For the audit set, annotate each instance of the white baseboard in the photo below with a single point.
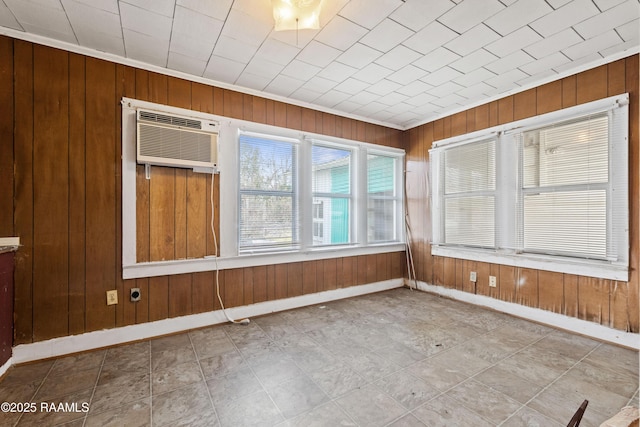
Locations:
(4, 368)
(57, 347)
(571, 324)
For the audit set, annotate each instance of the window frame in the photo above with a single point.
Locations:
(508, 250)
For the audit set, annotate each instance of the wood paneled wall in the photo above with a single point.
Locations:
(607, 302)
(60, 168)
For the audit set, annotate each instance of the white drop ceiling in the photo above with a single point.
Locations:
(392, 62)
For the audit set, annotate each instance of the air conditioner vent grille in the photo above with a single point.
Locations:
(168, 143)
(149, 116)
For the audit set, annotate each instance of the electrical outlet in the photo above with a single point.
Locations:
(473, 276)
(112, 297)
(492, 281)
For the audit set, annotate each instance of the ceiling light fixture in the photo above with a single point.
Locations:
(296, 14)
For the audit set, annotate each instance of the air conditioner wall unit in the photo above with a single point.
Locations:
(175, 141)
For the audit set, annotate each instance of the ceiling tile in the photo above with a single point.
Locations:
(352, 86)
(284, 85)
(46, 18)
(146, 22)
(570, 14)
(145, 48)
(369, 13)
(273, 50)
(331, 98)
(628, 47)
(441, 76)
(359, 55)
(218, 9)
(197, 48)
(340, 33)
(473, 61)
(319, 84)
(468, 14)
(545, 63)
(607, 4)
(449, 100)
(475, 91)
(252, 81)
(552, 44)
(370, 109)
(383, 87)
(474, 77)
(7, 19)
(445, 89)
(517, 40)
(223, 69)
(234, 49)
(585, 60)
(506, 80)
(263, 68)
(430, 37)
(398, 57)
(436, 59)
(407, 74)
(419, 99)
(186, 64)
(245, 28)
(300, 70)
(364, 97)
(593, 45)
(161, 7)
(372, 73)
(305, 95)
(348, 106)
(196, 25)
(337, 72)
(544, 75)
(509, 62)
(629, 31)
(612, 18)
(414, 87)
(557, 4)
(318, 54)
(107, 5)
(472, 40)
(392, 98)
(416, 14)
(517, 15)
(95, 28)
(386, 35)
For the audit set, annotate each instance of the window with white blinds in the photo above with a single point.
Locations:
(548, 192)
(269, 214)
(565, 180)
(469, 184)
(383, 198)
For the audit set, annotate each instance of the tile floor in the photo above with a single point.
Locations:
(396, 358)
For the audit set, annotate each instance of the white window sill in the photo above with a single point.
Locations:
(590, 268)
(163, 268)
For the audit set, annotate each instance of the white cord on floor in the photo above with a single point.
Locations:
(215, 244)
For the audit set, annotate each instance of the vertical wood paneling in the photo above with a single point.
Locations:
(594, 299)
(551, 291)
(482, 284)
(438, 270)
(198, 229)
(247, 107)
(6, 136)
(202, 97)
(142, 306)
(450, 272)
(247, 286)
(162, 214)
(203, 292)
(51, 193)
(77, 195)
(294, 279)
(570, 302)
(308, 277)
(259, 283)
(294, 117)
(569, 91)
(349, 271)
(180, 295)
(330, 274)
(507, 283)
(459, 123)
(505, 110)
(549, 97)
(143, 220)
(524, 104)
(591, 85)
(158, 298)
(23, 188)
(233, 104)
(527, 286)
(180, 218)
(233, 287)
(616, 75)
(281, 281)
(101, 206)
(259, 110)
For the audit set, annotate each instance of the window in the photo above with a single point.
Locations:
(331, 186)
(384, 200)
(269, 216)
(549, 192)
(304, 194)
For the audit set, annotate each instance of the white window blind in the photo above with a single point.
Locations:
(468, 190)
(383, 198)
(268, 193)
(565, 180)
(332, 195)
